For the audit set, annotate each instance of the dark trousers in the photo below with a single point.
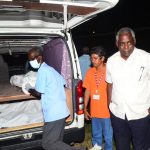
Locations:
(53, 133)
(134, 130)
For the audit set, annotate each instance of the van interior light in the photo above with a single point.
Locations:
(7, 0)
(11, 6)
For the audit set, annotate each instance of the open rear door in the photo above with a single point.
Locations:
(56, 14)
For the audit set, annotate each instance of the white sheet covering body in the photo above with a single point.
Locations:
(20, 113)
(25, 81)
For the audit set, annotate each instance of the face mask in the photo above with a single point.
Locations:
(34, 64)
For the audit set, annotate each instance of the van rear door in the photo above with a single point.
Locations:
(56, 14)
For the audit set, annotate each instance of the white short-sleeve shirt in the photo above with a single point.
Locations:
(130, 81)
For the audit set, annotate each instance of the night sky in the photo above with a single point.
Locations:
(101, 29)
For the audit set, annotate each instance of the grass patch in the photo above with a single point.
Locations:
(88, 138)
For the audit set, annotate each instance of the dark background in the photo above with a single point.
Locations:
(101, 29)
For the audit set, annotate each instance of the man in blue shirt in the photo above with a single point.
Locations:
(50, 87)
(84, 61)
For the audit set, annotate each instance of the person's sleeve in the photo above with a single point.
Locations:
(41, 80)
(87, 79)
(108, 72)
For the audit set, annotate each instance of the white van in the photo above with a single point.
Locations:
(43, 23)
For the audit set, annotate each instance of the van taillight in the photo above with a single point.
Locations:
(79, 98)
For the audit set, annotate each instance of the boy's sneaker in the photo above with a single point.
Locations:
(96, 147)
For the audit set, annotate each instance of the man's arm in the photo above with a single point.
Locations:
(109, 93)
(86, 101)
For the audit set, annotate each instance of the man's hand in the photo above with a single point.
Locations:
(34, 93)
(87, 115)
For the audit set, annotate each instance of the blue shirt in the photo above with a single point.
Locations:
(51, 84)
(85, 63)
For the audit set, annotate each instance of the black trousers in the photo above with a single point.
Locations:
(126, 131)
(53, 133)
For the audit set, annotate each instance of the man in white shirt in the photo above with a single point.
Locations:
(128, 78)
(85, 61)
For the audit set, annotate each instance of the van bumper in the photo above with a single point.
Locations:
(74, 135)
